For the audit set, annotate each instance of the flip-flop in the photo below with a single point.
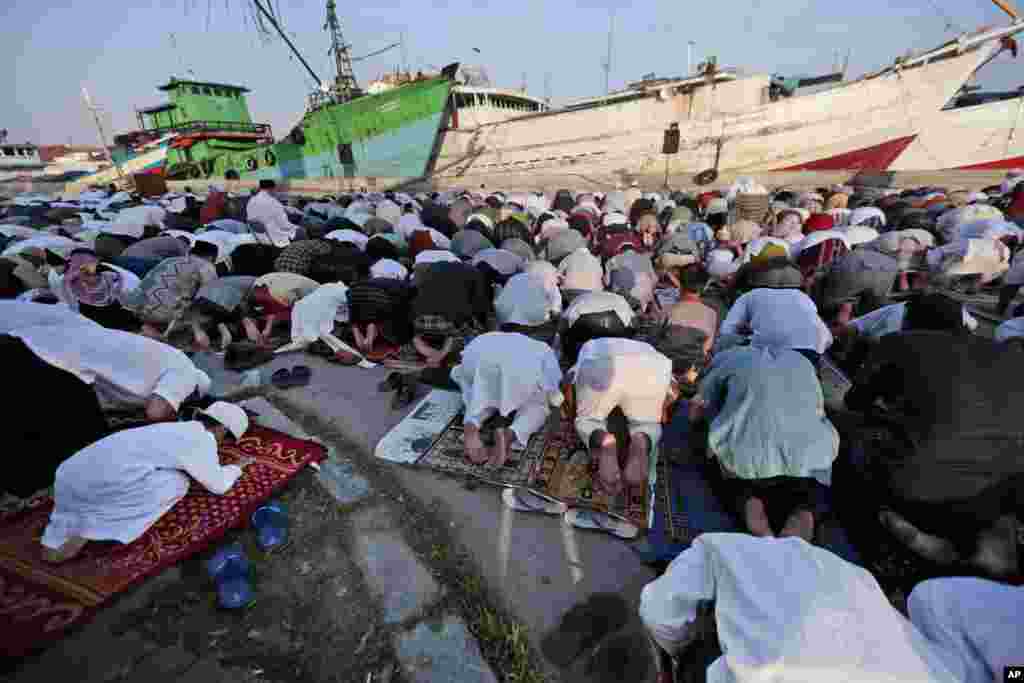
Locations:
(281, 378)
(301, 376)
(609, 522)
(525, 500)
(346, 358)
(229, 570)
(271, 526)
(393, 381)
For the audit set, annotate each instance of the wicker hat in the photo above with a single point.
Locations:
(752, 207)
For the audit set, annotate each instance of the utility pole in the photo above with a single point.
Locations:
(547, 88)
(608, 58)
(405, 55)
(523, 88)
(689, 57)
(345, 81)
(103, 136)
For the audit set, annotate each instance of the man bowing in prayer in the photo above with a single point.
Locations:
(117, 488)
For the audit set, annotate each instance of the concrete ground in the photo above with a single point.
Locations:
(537, 567)
(393, 574)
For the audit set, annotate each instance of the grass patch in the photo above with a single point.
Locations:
(507, 639)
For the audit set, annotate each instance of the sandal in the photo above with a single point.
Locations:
(229, 570)
(393, 381)
(608, 522)
(602, 484)
(404, 395)
(271, 526)
(524, 500)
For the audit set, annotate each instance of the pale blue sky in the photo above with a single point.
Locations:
(51, 48)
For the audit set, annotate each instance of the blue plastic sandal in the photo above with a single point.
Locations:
(271, 526)
(229, 570)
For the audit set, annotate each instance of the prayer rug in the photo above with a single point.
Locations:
(566, 473)
(431, 436)
(834, 383)
(39, 602)
(448, 455)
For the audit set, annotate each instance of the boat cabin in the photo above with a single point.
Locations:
(19, 156)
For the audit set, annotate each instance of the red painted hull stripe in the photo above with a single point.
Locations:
(877, 158)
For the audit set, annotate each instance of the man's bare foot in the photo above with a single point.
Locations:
(608, 473)
(756, 518)
(475, 449)
(933, 548)
(201, 338)
(252, 333)
(71, 547)
(268, 328)
(800, 524)
(225, 336)
(636, 470)
(997, 548)
(148, 330)
(503, 438)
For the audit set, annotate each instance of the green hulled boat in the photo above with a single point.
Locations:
(208, 131)
(391, 135)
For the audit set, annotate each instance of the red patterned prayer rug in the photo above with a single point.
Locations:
(39, 601)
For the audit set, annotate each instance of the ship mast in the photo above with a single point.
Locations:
(345, 85)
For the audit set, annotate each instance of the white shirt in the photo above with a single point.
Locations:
(125, 369)
(314, 314)
(16, 314)
(356, 238)
(118, 487)
(264, 209)
(131, 222)
(889, 320)
(598, 302)
(790, 612)
(505, 372)
(780, 318)
(581, 270)
(226, 242)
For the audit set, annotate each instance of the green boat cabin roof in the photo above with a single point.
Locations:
(175, 83)
(157, 108)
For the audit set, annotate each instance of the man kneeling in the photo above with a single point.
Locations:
(511, 375)
(632, 376)
(117, 488)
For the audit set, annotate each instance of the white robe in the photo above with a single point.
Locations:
(789, 612)
(314, 315)
(118, 487)
(783, 318)
(16, 314)
(125, 369)
(981, 621)
(506, 372)
(270, 212)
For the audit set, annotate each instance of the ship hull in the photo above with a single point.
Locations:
(979, 138)
(392, 134)
(151, 162)
(861, 125)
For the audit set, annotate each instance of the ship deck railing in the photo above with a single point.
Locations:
(263, 130)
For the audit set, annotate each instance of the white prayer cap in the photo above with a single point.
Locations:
(435, 256)
(177, 205)
(389, 268)
(203, 382)
(231, 416)
(722, 263)
(615, 218)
